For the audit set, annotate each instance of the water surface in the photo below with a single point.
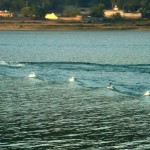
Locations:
(42, 109)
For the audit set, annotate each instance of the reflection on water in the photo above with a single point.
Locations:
(102, 47)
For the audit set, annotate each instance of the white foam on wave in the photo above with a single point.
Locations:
(32, 75)
(71, 79)
(12, 64)
(110, 87)
(147, 93)
(3, 62)
(16, 65)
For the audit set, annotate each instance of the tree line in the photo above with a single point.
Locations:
(41, 7)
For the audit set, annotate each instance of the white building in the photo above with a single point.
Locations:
(110, 13)
(51, 16)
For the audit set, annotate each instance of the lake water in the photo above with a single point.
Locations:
(54, 90)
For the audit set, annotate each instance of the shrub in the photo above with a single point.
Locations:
(71, 12)
(117, 17)
(97, 11)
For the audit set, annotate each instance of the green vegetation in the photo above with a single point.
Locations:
(117, 17)
(39, 8)
(98, 11)
(26, 11)
(70, 12)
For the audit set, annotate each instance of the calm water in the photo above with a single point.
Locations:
(54, 95)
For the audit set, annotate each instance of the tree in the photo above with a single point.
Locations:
(106, 3)
(7, 4)
(117, 17)
(120, 4)
(145, 3)
(145, 8)
(98, 11)
(26, 11)
(83, 3)
(18, 4)
(71, 12)
(132, 5)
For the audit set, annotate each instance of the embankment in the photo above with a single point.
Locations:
(52, 25)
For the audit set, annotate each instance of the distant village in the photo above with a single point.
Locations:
(84, 15)
(107, 14)
(86, 12)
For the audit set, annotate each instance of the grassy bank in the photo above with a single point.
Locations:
(51, 25)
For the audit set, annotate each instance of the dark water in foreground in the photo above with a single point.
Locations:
(43, 107)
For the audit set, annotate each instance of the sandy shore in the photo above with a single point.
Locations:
(51, 25)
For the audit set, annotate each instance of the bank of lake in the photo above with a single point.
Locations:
(30, 24)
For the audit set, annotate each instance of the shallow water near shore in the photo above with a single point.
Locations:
(54, 95)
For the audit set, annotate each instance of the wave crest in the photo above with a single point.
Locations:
(11, 64)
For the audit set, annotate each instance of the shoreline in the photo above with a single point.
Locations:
(52, 25)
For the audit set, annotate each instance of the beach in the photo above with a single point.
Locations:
(31, 24)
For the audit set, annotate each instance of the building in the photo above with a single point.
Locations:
(76, 18)
(115, 10)
(52, 16)
(5, 13)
